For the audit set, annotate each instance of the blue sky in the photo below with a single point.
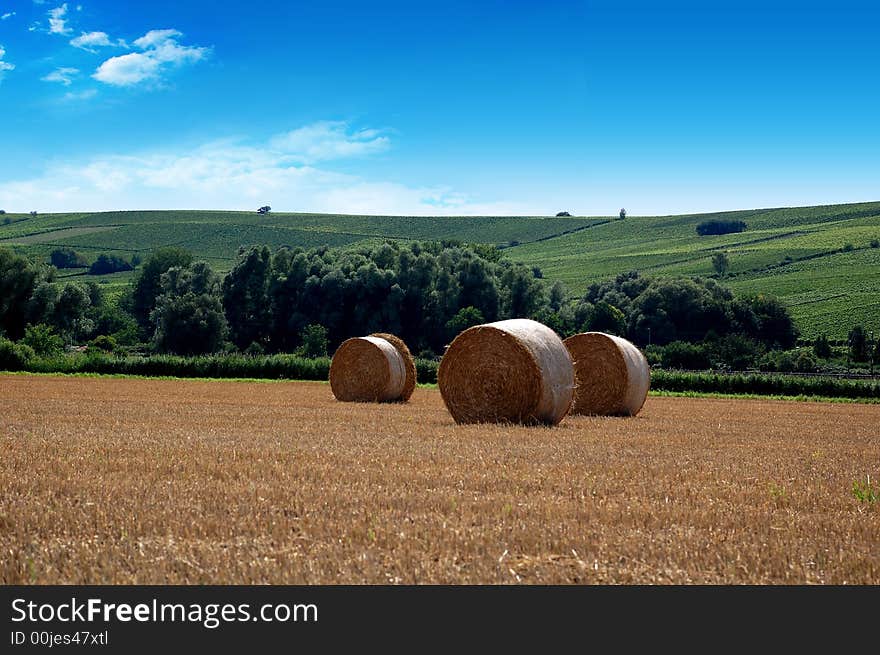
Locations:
(477, 107)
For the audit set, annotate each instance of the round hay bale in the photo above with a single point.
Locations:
(515, 371)
(408, 362)
(612, 375)
(367, 369)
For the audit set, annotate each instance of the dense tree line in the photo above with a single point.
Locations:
(662, 310)
(309, 301)
(718, 226)
(415, 291)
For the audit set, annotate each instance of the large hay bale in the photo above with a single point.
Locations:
(408, 362)
(612, 375)
(514, 371)
(367, 369)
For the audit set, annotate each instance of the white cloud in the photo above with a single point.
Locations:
(328, 140)
(5, 66)
(226, 175)
(90, 40)
(8, 14)
(160, 51)
(57, 20)
(126, 70)
(62, 75)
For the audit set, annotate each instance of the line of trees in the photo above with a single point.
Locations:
(104, 264)
(311, 300)
(718, 226)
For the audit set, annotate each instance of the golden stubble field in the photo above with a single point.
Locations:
(147, 481)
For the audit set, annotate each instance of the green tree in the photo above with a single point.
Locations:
(606, 318)
(465, 318)
(721, 263)
(521, 293)
(557, 296)
(148, 285)
(858, 344)
(477, 285)
(189, 313)
(19, 276)
(245, 297)
(314, 341)
(775, 326)
(70, 316)
(821, 347)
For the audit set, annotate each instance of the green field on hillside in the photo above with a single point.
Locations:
(818, 260)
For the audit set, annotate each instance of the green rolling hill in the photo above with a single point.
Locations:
(819, 260)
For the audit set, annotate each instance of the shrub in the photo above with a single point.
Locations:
(777, 361)
(736, 351)
(875, 243)
(804, 363)
(254, 349)
(680, 354)
(14, 356)
(43, 340)
(103, 343)
(848, 247)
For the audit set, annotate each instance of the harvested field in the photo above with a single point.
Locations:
(108, 480)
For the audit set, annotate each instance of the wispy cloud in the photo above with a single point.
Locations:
(62, 76)
(8, 14)
(71, 96)
(57, 20)
(91, 40)
(155, 38)
(160, 52)
(232, 175)
(5, 66)
(328, 140)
